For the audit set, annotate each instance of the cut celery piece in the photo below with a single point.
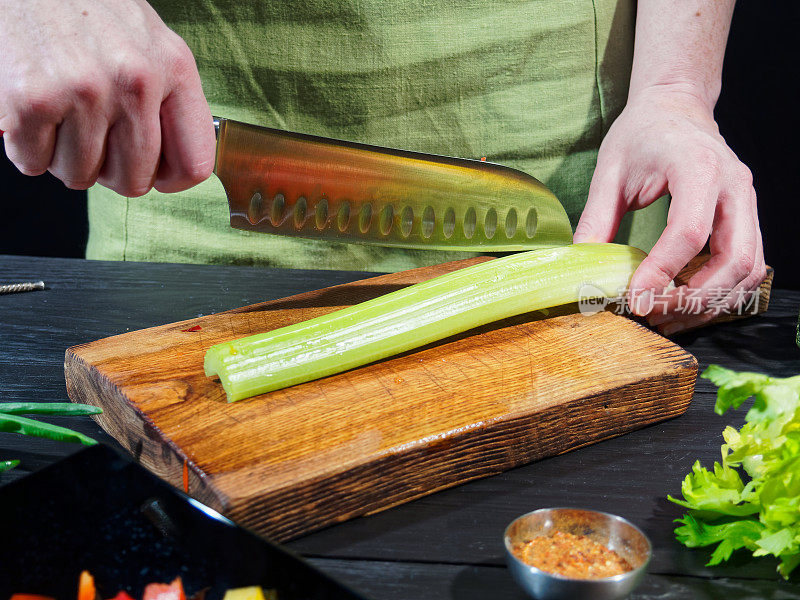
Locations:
(420, 314)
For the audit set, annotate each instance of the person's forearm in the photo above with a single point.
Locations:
(681, 44)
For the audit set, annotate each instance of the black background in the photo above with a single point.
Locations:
(757, 113)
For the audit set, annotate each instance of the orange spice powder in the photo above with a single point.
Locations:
(569, 555)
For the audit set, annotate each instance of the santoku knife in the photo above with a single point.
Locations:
(301, 185)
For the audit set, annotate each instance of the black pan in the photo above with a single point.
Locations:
(98, 510)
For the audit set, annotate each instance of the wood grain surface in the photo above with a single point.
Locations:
(447, 544)
(295, 460)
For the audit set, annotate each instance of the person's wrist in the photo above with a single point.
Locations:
(685, 95)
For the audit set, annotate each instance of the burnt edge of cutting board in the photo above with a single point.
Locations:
(135, 430)
(395, 476)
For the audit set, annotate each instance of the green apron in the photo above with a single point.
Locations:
(534, 85)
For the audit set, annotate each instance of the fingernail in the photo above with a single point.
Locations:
(660, 319)
(672, 328)
(643, 303)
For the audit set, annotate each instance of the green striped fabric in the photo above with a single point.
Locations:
(534, 85)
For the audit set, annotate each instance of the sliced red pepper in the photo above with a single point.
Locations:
(162, 591)
(122, 595)
(86, 588)
(193, 328)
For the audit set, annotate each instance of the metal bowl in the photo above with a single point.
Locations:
(611, 531)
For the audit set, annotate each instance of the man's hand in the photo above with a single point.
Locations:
(102, 91)
(666, 140)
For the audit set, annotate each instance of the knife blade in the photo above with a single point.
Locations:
(296, 184)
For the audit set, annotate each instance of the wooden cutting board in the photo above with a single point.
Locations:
(295, 460)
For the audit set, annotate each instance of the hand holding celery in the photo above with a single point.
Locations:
(761, 514)
(418, 315)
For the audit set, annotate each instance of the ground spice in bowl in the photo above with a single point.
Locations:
(570, 555)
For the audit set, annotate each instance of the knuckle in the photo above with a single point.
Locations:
(743, 177)
(78, 183)
(198, 172)
(29, 169)
(663, 272)
(693, 237)
(32, 101)
(88, 90)
(743, 265)
(583, 230)
(760, 274)
(706, 164)
(19, 93)
(187, 177)
(26, 162)
(132, 188)
(708, 158)
(757, 274)
(194, 164)
(136, 78)
(180, 56)
(137, 191)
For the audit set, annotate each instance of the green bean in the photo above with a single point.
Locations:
(48, 408)
(7, 465)
(25, 426)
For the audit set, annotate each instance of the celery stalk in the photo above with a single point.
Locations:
(418, 315)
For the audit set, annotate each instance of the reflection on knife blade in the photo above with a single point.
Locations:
(295, 184)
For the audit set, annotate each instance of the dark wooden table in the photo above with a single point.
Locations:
(447, 545)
